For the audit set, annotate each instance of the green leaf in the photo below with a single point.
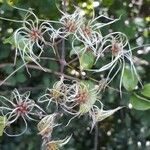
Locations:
(107, 3)
(87, 60)
(76, 51)
(8, 69)
(146, 90)
(139, 103)
(2, 124)
(89, 84)
(20, 77)
(130, 80)
(92, 97)
(11, 40)
(4, 53)
(12, 2)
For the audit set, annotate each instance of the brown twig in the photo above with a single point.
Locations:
(50, 71)
(30, 66)
(63, 50)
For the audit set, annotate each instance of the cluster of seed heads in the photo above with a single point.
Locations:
(76, 98)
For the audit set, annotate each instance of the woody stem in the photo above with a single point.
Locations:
(62, 60)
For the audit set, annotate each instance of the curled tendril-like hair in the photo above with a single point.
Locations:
(58, 94)
(46, 125)
(55, 145)
(99, 114)
(19, 106)
(117, 43)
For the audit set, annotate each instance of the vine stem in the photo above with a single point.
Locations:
(36, 68)
(63, 50)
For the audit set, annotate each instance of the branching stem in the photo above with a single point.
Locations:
(36, 68)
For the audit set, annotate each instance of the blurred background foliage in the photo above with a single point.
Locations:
(127, 129)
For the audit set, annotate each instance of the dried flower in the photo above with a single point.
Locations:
(83, 97)
(89, 33)
(101, 114)
(31, 36)
(120, 48)
(55, 145)
(70, 22)
(46, 125)
(19, 106)
(58, 94)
